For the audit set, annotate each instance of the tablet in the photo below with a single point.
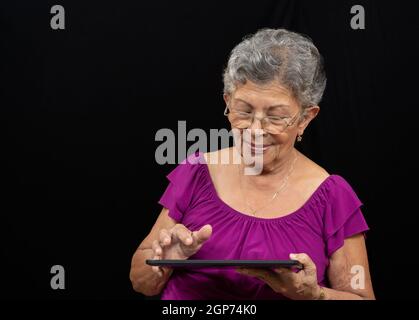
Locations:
(225, 263)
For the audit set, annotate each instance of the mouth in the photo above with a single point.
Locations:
(258, 148)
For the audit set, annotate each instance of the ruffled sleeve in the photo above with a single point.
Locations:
(182, 183)
(343, 217)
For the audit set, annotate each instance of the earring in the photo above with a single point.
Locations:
(299, 138)
(226, 111)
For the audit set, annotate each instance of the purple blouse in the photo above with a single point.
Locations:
(318, 228)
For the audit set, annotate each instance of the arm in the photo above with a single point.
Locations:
(303, 285)
(353, 253)
(142, 276)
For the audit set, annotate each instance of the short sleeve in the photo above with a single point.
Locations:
(343, 216)
(183, 180)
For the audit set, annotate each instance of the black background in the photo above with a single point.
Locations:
(80, 108)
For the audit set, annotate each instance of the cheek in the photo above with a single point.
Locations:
(283, 139)
(280, 141)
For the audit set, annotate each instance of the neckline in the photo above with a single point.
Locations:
(286, 216)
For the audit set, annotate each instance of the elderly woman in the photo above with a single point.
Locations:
(292, 209)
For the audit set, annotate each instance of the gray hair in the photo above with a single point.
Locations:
(279, 55)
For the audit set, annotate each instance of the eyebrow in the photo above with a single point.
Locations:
(270, 107)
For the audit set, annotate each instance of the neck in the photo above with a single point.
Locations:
(278, 168)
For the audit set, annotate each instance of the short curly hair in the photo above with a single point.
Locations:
(279, 55)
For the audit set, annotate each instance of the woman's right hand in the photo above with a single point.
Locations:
(178, 243)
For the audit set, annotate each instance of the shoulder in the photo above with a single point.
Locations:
(333, 187)
(310, 169)
(338, 195)
(341, 190)
(187, 181)
(190, 167)
(316, 173)
(221, 164)
(219, 159)
(309, 176)
(222, 156)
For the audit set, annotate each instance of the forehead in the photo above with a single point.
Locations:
(264, 96)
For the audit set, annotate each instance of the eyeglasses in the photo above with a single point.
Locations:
(271, 124)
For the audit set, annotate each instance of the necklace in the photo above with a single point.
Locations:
(284, 183)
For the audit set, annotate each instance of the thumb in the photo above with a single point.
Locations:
(305, 260)
(202, 234)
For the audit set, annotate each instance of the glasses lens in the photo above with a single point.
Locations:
(274, 125)
(274, 128)
(240, 120)
(243, 120)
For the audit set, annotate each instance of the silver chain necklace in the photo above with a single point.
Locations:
(253, 211)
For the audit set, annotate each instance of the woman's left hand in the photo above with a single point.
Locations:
(300, 285)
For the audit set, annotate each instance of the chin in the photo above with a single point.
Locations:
(264, 158)
(273, 154)
(268, 159)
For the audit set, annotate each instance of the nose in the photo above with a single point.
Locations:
(257, 128)
(256, 123)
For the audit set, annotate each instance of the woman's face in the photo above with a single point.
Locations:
(269, 100)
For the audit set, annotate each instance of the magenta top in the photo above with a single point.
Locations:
(318, 228)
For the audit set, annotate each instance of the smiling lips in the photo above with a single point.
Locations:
(258, 148)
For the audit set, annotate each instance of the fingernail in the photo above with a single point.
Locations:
(293, 255)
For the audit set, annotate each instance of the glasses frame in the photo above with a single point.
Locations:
(228, 111)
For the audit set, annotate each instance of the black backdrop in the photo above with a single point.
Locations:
(80, 108)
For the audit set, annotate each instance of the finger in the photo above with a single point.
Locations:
(268, 276)
(165, 237)
(285, 274)
(183, 234)
(156, 248)
(202, 234)
(283, 271)
(304, 259)
(263, 274)
(246, 271)
(240, 270)
(157, 270)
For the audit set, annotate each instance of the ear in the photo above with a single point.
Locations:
(226, 98)
(309, 114)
